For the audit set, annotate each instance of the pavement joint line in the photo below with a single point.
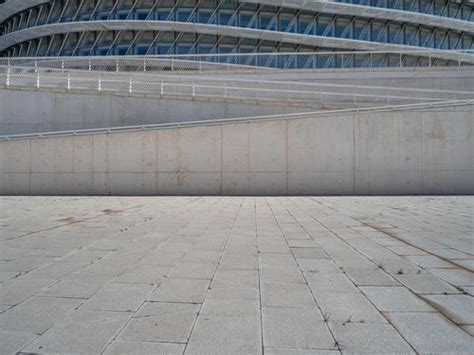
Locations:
(337, 345)
(369, 300)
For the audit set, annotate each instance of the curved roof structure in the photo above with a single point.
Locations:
(143, 27)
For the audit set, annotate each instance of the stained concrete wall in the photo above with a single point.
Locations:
(39, 111)
(423, 152)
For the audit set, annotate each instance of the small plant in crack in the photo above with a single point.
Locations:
(349, 320)
(380, 265)
(463, 291)
(337, 345)
(400, 272)
(326, 316)
(313, 271)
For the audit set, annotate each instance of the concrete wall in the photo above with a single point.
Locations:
(39, 111)
(424, 152)
(436, 78)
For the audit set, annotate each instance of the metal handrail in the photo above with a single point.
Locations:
(160, 126)
(272, 83)
(129, 86)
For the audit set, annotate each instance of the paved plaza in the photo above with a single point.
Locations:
(237, 275)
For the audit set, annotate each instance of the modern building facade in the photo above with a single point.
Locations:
(170, 27)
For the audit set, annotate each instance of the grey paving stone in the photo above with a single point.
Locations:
(286, 295)
(370, 277)
(235, 279)
(80, 332)
(430, 262)
(338, 283)
(105, 268)
(276, 259)
(231, 302)
(134, 347)
(431, 333)
(451, 253)
(397, 265)
(425, 283)
(202, 257)
(242, 262)
(292, 351)
(361, 338)
(280, 274)
(311, 253)
(225, 335)
(55, 271)
(182, 234)
(12, 342)
(25, 263)
(458, 308)
(160, 258)
(7, 275)
(150, 274)
(302, 243)
(348, 307)
(16, 290)
(395, 299)
(295, 328)
(162, 322)
(36, 314)
(271, 247)
(84, 256)
(180, 290)
(466, 263)
(324, 266)
(456, 277)
(468, 329)
(76, 286)
(194, 270)
(406, 250)
(119, 297)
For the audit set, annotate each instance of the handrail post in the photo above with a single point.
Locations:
(144, 64)
(130, 86)
(68, 81)
(162, 88)
(116, 65)
(37, 80)
(99, 87)
(8, 74)
(90, 65)
(62, 65)
(194, 90)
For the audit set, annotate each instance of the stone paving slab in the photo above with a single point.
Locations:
(236, 275)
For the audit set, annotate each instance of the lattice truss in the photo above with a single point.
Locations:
(240, 14)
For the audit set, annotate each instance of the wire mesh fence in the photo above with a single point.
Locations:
(252, 61)
(229, 88)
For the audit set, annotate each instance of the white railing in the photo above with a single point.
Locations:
(252, 61)
(411, 107)
(209, 88)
